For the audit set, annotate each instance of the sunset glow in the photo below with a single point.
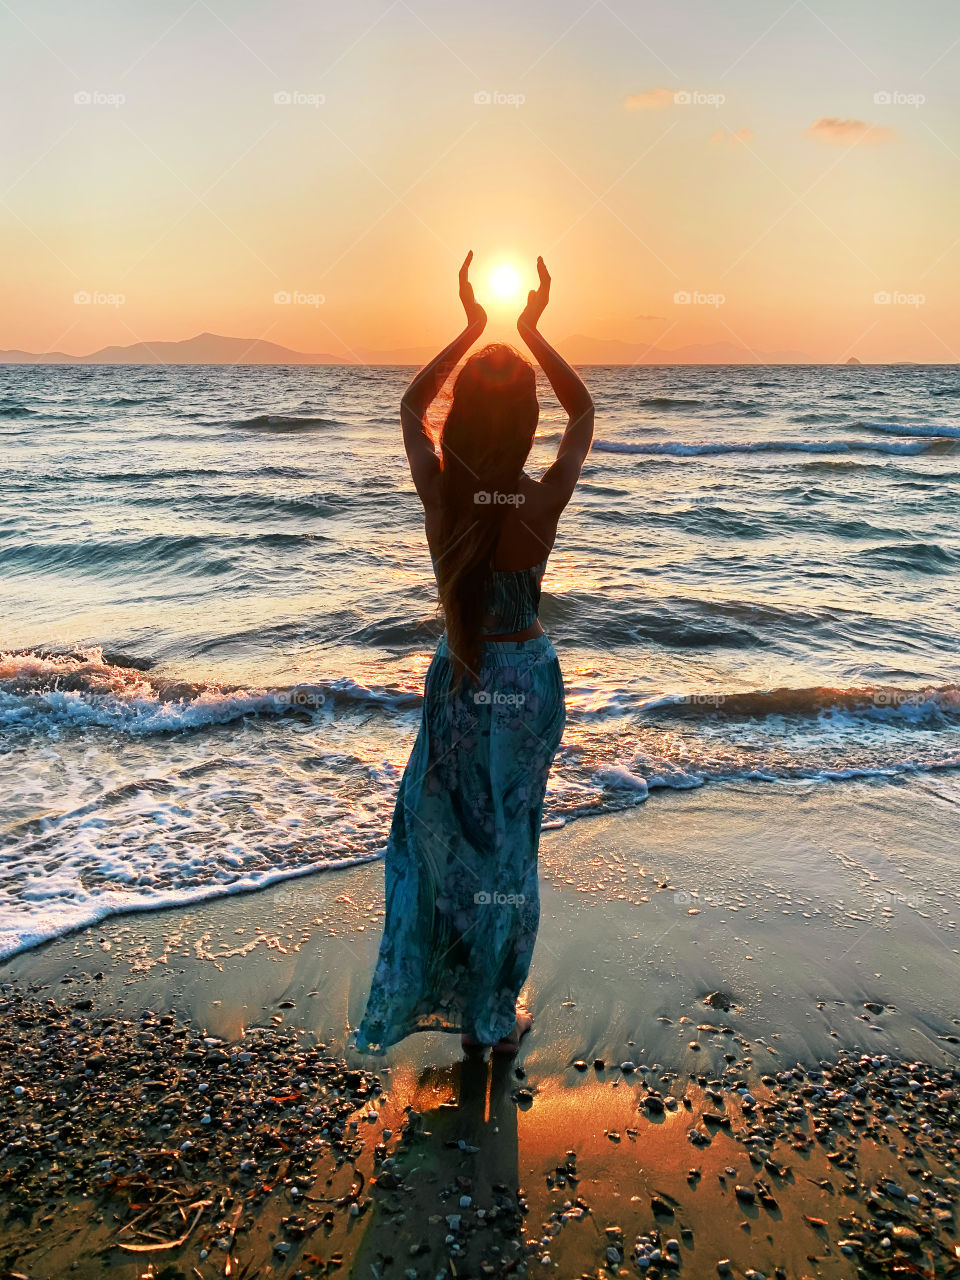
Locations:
(185, 174)
(505, 283)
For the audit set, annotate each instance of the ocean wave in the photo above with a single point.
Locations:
(195, 555)
(90, 688)
(877, 703)
(920, 557)
(681, 449)
(43, 921)
(667, 402)
(941, 430)
(45, 691)
(247, 504)
(811, 416)
(279, 423)
(638, 787)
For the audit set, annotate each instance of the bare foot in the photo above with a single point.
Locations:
(509, 1045)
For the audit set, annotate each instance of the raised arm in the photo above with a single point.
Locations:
(424, 389)
(569, 389)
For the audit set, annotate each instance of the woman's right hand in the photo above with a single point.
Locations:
(537, 299)
(476, 316)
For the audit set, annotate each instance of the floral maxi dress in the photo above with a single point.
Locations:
(462, 898)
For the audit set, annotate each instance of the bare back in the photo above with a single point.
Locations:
(529, 526)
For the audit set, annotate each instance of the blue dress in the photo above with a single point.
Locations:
(462, 897)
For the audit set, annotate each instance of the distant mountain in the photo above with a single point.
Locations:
(205, 348)
(213, 348)
(852, 360)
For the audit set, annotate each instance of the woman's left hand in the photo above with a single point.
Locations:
(476, 316)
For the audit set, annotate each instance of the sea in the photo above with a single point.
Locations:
(217, 609)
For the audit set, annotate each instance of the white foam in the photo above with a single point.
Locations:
(60, 912)
(936, 429)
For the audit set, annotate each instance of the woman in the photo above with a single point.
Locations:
(462, 901)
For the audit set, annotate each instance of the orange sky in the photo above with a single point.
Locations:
(782, 166)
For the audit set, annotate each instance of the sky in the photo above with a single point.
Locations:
(777, 174)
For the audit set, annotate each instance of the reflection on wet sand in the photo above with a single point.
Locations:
(451, 1195)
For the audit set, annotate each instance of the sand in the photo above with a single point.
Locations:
(721, 935)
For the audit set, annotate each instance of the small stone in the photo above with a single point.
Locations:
(906, 1237)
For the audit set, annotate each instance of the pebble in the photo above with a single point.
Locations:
(231, 1105)
(111, 1121)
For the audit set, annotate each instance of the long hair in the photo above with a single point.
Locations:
(484, 443)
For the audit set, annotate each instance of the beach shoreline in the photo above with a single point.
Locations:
(683, 938)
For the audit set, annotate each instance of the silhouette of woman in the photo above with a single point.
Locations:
(462, 900)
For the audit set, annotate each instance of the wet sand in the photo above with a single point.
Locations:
(713, 939)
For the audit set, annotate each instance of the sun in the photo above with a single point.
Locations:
(504, 283)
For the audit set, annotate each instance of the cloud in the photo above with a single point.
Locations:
(731, 139)
(649, 317)
(651, 100)
(831, 129)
